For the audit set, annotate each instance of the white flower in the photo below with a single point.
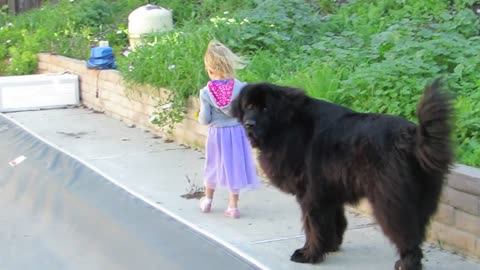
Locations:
(231, 20)
(153, 118)
(171, 67)
(166, 106)
(131, 68)
(226, 12)
(9, 24)
(8, 41)
(119, 31)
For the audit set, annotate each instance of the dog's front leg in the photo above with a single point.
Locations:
(319, 227)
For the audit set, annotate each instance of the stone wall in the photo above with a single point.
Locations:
(456, 225)
(105, 91)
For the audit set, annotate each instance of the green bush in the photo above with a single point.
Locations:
(373, 56)
(68, 28)
(194, 12)
(22, 62)
(178, 61)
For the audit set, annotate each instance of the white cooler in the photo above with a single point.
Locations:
(42, 91)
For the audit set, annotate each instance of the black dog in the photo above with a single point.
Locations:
(328, 155)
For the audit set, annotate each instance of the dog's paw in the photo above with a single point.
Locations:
(399, 265)
(301, 255)
(298, 256)
(402, 265)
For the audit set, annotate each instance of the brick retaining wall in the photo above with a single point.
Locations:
(456, 225)
(105, 91)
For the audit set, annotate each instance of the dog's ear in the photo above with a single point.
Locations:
(236, 107)
(245, 95)
(295, 96)
(287, 102)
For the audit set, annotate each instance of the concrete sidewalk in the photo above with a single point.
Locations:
(269, 229)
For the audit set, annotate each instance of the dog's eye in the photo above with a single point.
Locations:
(249, 107)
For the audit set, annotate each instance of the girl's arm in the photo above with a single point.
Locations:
(205, 114)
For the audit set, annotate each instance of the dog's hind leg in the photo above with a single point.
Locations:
(411, 257)
(432, 188)
(400, 223)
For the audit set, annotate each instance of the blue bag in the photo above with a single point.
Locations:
(101, 58)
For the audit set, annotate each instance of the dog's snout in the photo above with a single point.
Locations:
(249, 123)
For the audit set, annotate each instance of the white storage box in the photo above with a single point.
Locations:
(33, 92)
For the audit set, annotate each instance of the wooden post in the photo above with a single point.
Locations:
(17, 6)
(12, 6)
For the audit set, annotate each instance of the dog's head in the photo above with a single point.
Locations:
(263, 108)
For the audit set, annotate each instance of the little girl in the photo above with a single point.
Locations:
(229, 162)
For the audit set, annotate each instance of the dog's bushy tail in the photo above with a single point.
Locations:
(434, 147)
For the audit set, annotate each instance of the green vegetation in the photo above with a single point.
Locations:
(371, 55)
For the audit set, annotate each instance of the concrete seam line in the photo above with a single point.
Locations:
(143, 198)
(368, 225)
(276, 239)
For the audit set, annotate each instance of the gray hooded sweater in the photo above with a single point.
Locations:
(213, 115)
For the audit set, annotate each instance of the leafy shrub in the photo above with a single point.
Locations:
(468, 128)
(178, 65)
(68, 28)
(22, 62)
(371, 55)
(193, 12)
(173, 60)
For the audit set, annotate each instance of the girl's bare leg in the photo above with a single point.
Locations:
(209, 193)
(233, 200)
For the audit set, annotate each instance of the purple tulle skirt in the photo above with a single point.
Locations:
(229, 161)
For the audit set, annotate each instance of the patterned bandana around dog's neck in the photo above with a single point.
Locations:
(221, 91)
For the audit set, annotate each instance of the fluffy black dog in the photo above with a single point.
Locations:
(328, 155)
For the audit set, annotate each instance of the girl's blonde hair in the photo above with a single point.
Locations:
(221, 60)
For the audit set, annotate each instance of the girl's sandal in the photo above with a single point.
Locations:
(205, 205)
(232, 213)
